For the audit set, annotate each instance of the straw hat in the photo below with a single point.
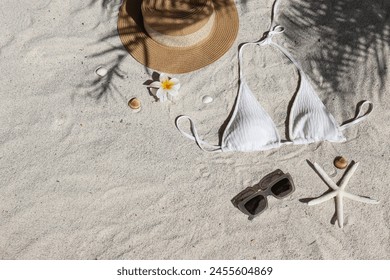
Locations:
(177, 36)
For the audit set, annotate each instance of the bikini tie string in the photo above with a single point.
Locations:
(195, 137)
(267, 38)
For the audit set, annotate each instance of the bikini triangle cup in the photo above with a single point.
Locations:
(250, 128)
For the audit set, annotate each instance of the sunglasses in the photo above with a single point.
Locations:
(253, 200)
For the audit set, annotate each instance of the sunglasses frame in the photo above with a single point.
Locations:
(264, 188)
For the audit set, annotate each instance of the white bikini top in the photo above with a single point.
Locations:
(250, 128)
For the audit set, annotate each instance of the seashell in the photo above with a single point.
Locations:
(134, 103)
(340, 162)
(329, 169)
(207, 99)
(101, 71)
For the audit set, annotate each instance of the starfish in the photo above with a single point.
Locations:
(339, 191)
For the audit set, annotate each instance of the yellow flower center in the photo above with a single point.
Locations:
(167, 85)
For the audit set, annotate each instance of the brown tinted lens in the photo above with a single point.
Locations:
(256, 204)
(282, 188)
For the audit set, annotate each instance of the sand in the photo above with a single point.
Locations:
(84, 177)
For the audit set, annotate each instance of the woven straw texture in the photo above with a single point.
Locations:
(176, 60)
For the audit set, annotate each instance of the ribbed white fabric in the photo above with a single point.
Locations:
(252, 129)
(309, 120)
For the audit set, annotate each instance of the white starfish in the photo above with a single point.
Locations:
(339, 192)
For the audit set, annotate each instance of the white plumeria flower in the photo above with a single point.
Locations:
(166, 87)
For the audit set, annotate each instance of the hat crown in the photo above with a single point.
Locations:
(176, 17)
(177, 53)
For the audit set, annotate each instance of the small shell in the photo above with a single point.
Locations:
(329, 169)
(101, 71)
(340, 162)
(134, 103)
(207, 99)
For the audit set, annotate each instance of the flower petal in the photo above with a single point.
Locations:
(163, 77)
(173, 92)
(155, 84)
(176, 87)
(161, 95)
(175, 81)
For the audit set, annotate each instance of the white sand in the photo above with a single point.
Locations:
(83, 177)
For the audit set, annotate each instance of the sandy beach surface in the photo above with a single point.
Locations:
(84, 177)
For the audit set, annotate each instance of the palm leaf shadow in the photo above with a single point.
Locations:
(346, 34)
(100, 88)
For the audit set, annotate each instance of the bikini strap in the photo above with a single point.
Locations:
(360, 116)
(277, 29)
(266, 39)
(195, 137)
(274, 29)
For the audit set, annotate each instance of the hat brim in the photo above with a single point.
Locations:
(176, 60)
